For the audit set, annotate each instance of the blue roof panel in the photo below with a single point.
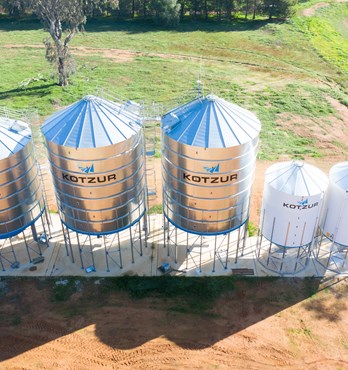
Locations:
(14, 136)
(211, 122)
(91, 123)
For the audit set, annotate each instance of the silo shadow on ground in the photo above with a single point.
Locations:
(124, 314)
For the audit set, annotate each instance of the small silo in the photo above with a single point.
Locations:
(292, 200)
(209, 151)
(333, 248)
(96, 151)
(21, 195)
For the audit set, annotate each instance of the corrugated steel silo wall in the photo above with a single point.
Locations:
(334, 218)
(289, 220)
(21, 195)
(207, 190)
(100, 190)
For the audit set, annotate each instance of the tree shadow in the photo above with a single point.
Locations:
(329, 310)
(135, 26)
(9, 24)
(37, 91)
(131, 311)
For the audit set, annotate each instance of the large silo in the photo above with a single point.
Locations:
(21, 194)
(96, 151)
(209, 149)
(333, 247)
(292, 200)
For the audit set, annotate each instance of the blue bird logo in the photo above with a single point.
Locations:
(88, 169)
(213, 169)
(303, 202)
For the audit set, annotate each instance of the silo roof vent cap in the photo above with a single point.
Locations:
(211, 97)
(298, 163)
(90, 98)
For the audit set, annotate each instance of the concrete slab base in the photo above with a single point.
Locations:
(192, 256)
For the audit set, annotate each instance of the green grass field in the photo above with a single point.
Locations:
(270, 68)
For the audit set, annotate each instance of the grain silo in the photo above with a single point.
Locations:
(96, 151)
(333, 245)
(21, 193)
(209, 151)
(292, 200)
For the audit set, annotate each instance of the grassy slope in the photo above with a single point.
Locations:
(269, 68)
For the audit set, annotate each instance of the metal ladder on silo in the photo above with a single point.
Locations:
(151, 116)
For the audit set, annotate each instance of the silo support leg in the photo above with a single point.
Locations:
(106, 255)
(131, 243)
(168, 240)
(27, 247)
(119, 249)
(48, 235)
(245, 236)
(33, 230)
(65, 240)
(164, 231)
(71, 250)
(200, 254)
(271, 242)
(187, 250)
(91, 251)
(13, 252)
(283, 257)
(2, 264)
(176, 246)
(237, 250)
(227, 249)
(214, 260)
(297, 259)
(140, 240)
(80, 250)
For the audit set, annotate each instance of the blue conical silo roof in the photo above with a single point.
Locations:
(91, 122)
(14, 136)
(211, 122)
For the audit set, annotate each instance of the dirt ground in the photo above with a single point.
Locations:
(271, 324)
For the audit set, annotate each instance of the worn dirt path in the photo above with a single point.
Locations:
(311, 11)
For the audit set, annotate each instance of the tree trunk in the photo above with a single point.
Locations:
(254, 10)
(246, 9)
(144, 8)
(62, 52)
(63, 78)
(182, 10)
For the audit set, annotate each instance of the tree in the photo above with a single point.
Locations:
(62, 18)
(279, 8)
(167, 12)
(15, 8)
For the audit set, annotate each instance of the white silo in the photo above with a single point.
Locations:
(209, 149)
(96, 152)
(292, 200)
(333, 246)
(21, 193)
